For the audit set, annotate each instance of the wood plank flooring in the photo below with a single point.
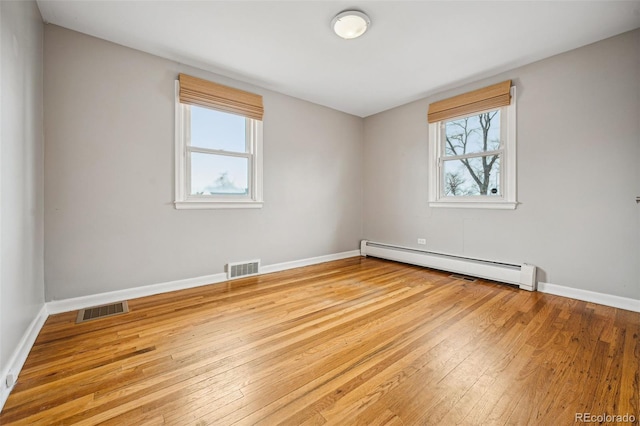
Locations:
(357, 341)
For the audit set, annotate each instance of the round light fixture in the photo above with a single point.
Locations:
(350, 24)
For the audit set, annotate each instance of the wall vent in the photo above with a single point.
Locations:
(243, 269)
(103, 311)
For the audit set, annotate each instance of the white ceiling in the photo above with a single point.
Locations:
(413, 48)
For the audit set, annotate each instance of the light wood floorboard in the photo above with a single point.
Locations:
(356, 341)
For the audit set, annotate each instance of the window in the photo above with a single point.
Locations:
(472, 149)
(218, 146)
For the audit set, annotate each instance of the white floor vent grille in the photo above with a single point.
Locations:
(243, 269)
(103, 311)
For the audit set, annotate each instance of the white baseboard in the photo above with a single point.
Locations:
(591, 296)
(75, 303)
(306, 262)
(19, 355)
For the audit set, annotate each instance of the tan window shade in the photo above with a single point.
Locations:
(495, 96)
(195, 91)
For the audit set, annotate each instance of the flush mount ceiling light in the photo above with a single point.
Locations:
(350, 24)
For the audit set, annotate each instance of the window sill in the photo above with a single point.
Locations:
(500, 205)
(205, 204)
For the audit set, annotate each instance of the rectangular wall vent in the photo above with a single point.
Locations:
(243, 269)
(103, 311)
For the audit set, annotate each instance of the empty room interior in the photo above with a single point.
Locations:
(319, 212)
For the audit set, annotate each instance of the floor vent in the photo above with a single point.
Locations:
(243, 269)
(96, 312)
(463, 278)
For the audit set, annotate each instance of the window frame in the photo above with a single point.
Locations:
(183, 198)
(508, 172)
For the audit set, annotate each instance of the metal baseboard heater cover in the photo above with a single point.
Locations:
(524, 275)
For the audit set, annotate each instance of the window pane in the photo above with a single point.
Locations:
(217, 130)
(218, 174)
(474, 134)
(472, 176)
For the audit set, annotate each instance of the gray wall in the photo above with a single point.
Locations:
(578, 137)
(109, 166)
(110, 223)
(21, 173)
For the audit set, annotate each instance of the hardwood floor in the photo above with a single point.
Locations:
(357, 341)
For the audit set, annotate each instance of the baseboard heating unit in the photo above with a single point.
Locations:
(523, 275)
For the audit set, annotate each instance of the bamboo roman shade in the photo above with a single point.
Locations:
(196, 91)
(495, 96)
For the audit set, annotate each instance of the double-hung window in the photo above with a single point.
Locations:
(218, 146)
(472, 149)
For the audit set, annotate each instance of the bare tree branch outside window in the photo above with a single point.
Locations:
(475, 138)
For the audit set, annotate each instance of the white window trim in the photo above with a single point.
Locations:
(183, 173)
(509, 173)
